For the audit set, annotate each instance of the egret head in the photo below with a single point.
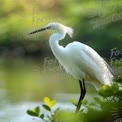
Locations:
(55, 26)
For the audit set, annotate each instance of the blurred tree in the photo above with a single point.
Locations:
(96, 23)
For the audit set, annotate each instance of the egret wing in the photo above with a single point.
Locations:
(100, 62)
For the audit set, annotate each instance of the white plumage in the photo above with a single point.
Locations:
(78, 59)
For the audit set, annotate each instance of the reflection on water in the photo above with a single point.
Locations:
(22, 87)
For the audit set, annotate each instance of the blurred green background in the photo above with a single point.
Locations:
(28, 69)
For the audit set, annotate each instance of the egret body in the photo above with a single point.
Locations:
(78, 59)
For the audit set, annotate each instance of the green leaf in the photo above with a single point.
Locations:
(98, 100)
(84, 102)
(74, 102)
(53, 102)
(115, 88)
(106, 91)
(92, 104)
(37, 110)
(46, 107)
(42, 116)
(32, 113)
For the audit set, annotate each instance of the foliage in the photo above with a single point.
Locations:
(48, 104)
(93, 21)
(102, 108)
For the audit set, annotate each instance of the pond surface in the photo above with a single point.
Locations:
(24, 84)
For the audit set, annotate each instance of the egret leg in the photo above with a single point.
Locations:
(82, 94)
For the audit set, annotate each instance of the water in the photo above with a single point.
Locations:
(16, 112)
(24, 84)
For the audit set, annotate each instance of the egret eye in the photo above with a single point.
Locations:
(53, 25)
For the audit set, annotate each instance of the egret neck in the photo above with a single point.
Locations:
(54, 44)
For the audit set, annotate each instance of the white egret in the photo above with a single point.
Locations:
(78, 59)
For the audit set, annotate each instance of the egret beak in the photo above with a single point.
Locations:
(39, 30)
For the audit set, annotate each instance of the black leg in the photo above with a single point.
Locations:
(82, 94)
